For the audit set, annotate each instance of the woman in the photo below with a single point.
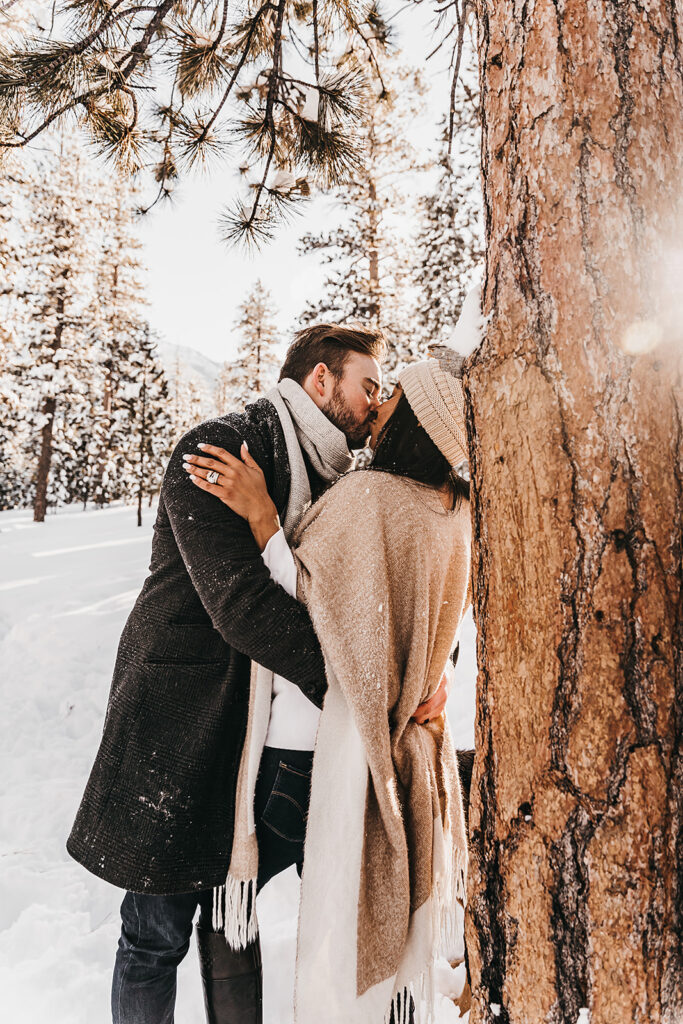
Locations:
(382, 563)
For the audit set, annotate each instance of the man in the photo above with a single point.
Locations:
(157, 815)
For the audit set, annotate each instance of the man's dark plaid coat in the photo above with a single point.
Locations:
(157, 813)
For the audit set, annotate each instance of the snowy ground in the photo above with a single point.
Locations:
(66, 587)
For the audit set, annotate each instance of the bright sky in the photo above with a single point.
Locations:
(196, 282)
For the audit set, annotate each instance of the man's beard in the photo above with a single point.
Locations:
(338, 412)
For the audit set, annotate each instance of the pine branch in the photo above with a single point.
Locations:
(41, 65)
(114, 128)
(316, 44)
(462, 9)
(312, 136)
(201, 63)
(54, 116)
(273, 89)
(240, 64)
(128, 64)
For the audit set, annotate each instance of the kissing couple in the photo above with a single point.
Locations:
(278, 698)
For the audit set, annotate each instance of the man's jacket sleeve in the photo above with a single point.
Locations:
(251, 612)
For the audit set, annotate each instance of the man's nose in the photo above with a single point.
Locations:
(375, 402)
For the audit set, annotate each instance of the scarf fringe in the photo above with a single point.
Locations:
(421, 993)
(450, 894)
(234, 911)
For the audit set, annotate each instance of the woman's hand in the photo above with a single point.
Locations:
(240, 484)
(435, 706)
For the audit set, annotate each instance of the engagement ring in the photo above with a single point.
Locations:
(212, 477)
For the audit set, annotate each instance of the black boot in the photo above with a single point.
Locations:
(231, 980)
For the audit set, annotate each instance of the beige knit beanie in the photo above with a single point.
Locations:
(436, 397)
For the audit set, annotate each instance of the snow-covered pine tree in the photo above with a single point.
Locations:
(254, 369)
(370, 254)
(150, 435)
(227, 387)
(55, 358)
(124, 351)
(13, 461)
(73, 335)
(16, 469)
(450, 243)
(188, 401)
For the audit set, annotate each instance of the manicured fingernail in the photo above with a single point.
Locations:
(193, 477)
(202, 446)
(187, 458)
(245, 445)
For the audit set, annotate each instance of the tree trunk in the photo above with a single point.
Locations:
(48, 410)
(374, 311)
(100, 497)
(143, 443)
(44, 461)
(575, 418)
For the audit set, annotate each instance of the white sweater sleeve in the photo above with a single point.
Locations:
(279, 560)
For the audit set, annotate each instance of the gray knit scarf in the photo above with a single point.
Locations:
(304, 427)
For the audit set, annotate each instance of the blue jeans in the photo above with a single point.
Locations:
(156, 930)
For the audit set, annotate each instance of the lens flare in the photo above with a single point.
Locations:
(642, 336)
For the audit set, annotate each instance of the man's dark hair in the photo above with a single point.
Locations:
(330, 344)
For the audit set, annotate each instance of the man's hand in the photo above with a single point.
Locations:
(436, 704)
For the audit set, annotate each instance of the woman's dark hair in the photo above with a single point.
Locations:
(406, 449)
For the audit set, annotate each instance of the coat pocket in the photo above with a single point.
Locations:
(188, 644)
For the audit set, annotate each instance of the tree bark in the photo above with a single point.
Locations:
(143, 442)
(374, 310)
(44, 461)
(575, 418)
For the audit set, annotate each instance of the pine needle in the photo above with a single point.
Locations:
(116, 138)
(331, 155)
(201, 64)
(196, 146)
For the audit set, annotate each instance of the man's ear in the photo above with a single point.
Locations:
(320, 373)
(315, 384)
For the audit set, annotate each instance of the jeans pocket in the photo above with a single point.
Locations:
(287, 806)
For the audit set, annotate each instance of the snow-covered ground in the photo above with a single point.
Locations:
(66, 587)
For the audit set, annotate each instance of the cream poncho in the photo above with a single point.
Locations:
(384, 571)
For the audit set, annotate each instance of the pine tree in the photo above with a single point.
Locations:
(370, 253)
(228, 387)
(188, 401)
(74, 336)
(13, 460)
(449, 244)
(119, 327)
(55, 356)
(15, 467)
(575, 407)
(13, 463)
(254, 369)
(149, 428)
